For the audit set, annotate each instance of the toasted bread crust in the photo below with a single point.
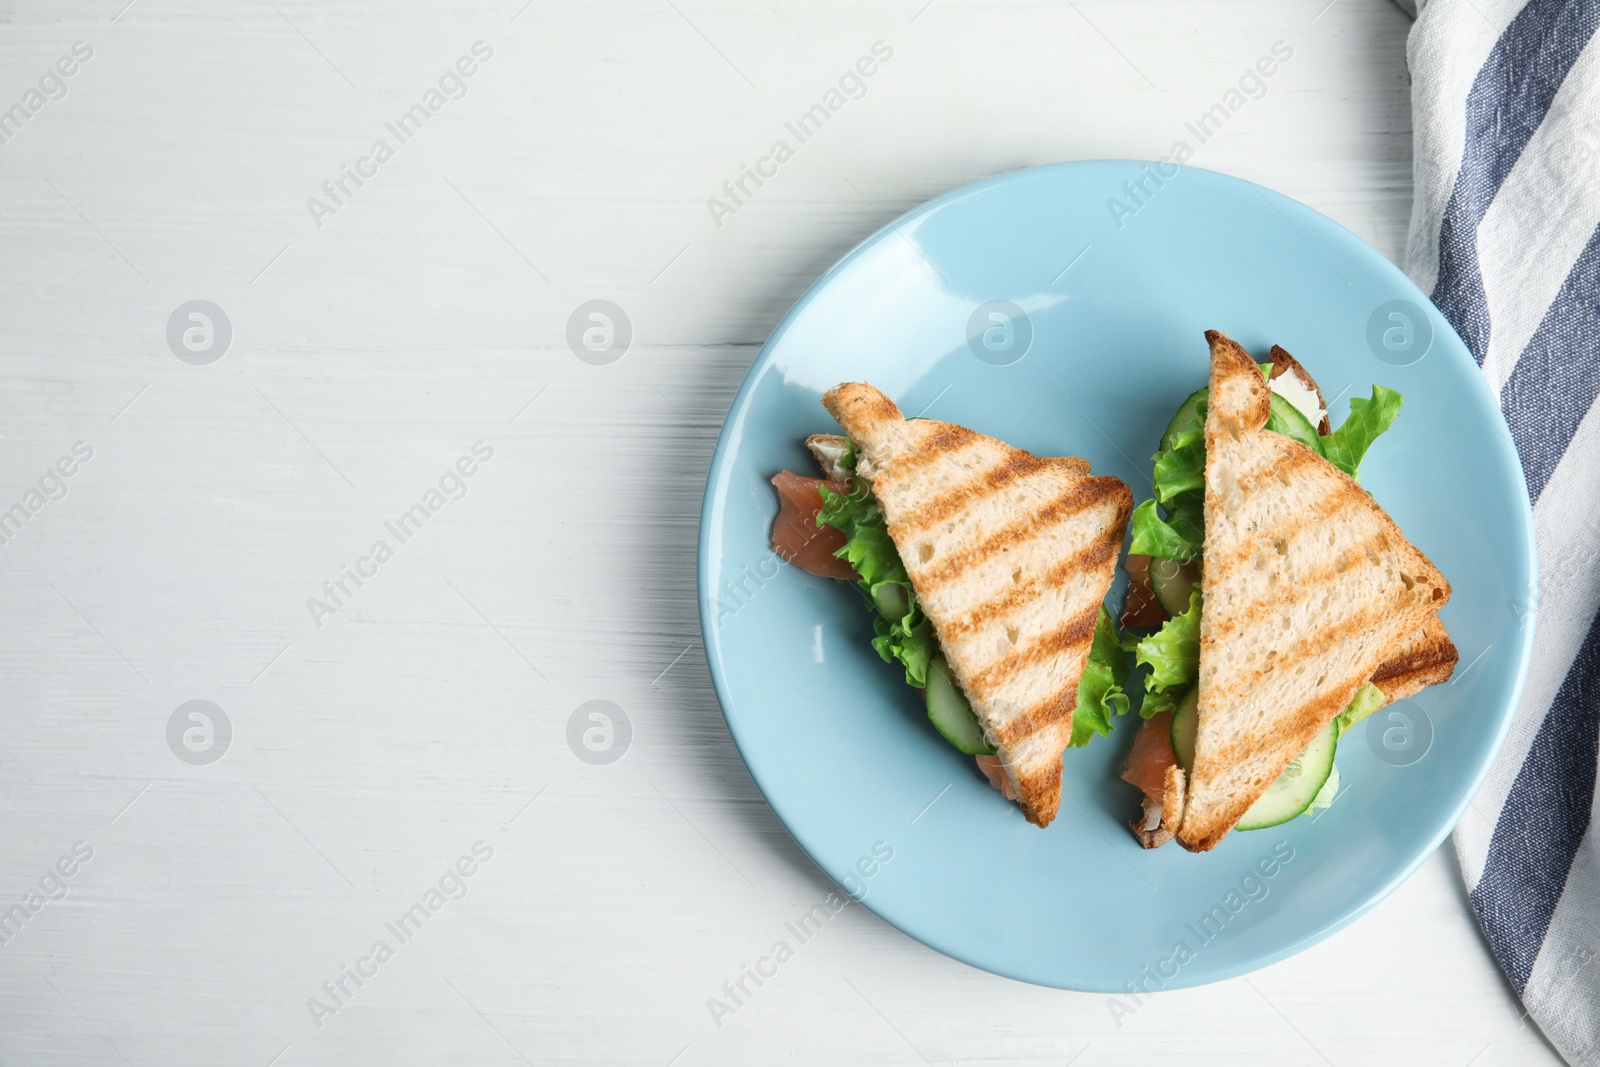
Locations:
(1298, 613)
(1237, 402)
(1149, 838)
(1284, 363)
(1428, 657)
(1011, 556)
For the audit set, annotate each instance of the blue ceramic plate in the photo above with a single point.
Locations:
(1057, 310)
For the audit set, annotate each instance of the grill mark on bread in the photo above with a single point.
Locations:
(1314, 644)
(1042, 797)
(1020, 593)
(933, 447)
(1311, 717)
(1293, 458)
(1242, 616)
(1291, 526)
(982, 485)
(1076, 631)
(1291, 461)
(1041, 714)
(1078, 498)
(1318, 642)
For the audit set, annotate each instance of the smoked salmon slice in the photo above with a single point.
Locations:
(990, 766)
(1152, 754)
(797, 538)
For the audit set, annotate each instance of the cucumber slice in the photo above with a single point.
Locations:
(1185, 722)
(1310, 778)
(950, 713)
(1329, 790)
(1191, 416)
(1298, 785)
(1287, 420)
(892, 600)
(1172, 581)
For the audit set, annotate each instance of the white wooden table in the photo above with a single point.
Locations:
(374, 742)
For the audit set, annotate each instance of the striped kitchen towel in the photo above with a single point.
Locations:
(1505, 237)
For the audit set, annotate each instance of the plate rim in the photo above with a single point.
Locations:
(712, 503)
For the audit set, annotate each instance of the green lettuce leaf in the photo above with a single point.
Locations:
(1173, 655)
(1368, 699)
(904, 633)
(1100, 691)
(1180, 483)
(1177, 537)
(1181, 468)
(1368, 418)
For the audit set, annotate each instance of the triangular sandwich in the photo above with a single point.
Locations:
(1010, 556)
(1308, 588)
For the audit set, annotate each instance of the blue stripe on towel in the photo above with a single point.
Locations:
(1507, 103)
(1543, 822)
(1558, 376)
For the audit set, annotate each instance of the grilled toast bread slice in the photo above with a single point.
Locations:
(1426, 657)
(1307, 586)
(1423, 658)
(1010, 555)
